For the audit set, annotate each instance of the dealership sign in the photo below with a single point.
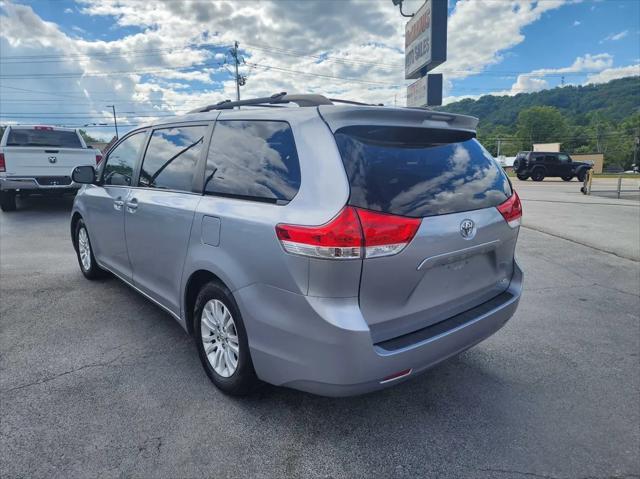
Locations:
(426, 91)
(425, 39)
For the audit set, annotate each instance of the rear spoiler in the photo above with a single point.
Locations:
(340, 116)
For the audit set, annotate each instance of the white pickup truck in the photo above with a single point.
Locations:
(40, 159)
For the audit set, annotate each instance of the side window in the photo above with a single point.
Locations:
(171, 158)
(118, 169)
(551, 159)
(563, 158)
(254, 160)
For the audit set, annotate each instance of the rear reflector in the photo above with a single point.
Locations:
(511, 210)
(3, 166)
(353, 233)
(98, 159)
(395, 376)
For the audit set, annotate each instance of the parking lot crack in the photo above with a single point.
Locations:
(65, 373)
(521, 473)
(571, 240)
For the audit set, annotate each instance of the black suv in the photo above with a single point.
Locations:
(538, 165)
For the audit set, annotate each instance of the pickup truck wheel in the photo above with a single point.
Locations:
(567, 178)
(537, 174)
(86, 260)
(8, 200)
(221, 339)
(522, 177)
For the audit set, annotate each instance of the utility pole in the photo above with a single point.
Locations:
(115, 120)
(240, 80)
(499, 143)
(636, 146)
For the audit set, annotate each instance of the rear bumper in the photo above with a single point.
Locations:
(38, 183)
(323, 345)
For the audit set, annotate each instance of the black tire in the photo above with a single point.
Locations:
(582, 174)
(8, 200)
(93, 271)
(243, 380)
(522, 177)
(567, 178)
(537, 174)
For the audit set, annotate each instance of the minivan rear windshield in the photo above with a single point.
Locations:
(55, 138)
(419, 171)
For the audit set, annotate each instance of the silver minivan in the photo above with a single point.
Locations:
(327, 246)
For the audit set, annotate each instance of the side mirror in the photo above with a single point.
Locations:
(84, 175)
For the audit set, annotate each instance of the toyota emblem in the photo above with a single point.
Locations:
(467, 229)
(52, 159)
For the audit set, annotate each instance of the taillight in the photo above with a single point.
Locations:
(511, 210)
(3, 166)
(340, 238)
(353, 233)
(47, 128)
(98, 159)
(385, 234)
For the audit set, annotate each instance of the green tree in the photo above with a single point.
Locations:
(88, 138)
(541, 124)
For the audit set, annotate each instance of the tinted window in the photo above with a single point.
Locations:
(563, 158)
(122, 161)
(171, 158)
(418, 171)
(551, 159)
(55, 138)
(253, 160)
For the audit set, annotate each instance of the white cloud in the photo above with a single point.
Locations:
(614, 73)
(535, 80)
(68, 10)
(614, 37)
(284, 43)
(577, 23)
(480, 32)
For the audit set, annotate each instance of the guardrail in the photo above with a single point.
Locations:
(619, 191)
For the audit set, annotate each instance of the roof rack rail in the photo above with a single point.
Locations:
(269, 101)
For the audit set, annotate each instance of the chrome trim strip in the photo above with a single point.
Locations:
(397, 377)
(140, 291)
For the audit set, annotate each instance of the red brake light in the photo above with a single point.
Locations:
(339, 238)
(43, 128)
(386, 234)
(3, 166)
(511, 210)
(353, 233)
(98, 159)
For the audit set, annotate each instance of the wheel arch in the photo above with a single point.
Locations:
(75, 217)
(193, 285)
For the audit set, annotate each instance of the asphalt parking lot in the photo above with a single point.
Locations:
(98, 382)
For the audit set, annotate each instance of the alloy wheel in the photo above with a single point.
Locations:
(220, 338)
(84, 249)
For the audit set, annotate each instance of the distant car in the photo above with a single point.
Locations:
(540, 165)
(40, 159)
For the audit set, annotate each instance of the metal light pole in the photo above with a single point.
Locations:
(115, 120)
(235, 57)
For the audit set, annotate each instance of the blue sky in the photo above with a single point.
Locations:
(162, 58)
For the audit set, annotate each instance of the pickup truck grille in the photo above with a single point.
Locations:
(53, 180)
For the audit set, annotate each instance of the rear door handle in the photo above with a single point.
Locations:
(132, 205)
(117, 204)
